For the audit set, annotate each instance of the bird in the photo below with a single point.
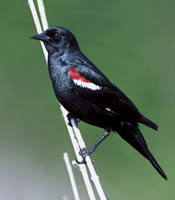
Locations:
(89, 96)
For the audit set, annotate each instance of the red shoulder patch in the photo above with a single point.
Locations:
(75, 75)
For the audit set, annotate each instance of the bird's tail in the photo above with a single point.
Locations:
(148, 122)
(136, 139)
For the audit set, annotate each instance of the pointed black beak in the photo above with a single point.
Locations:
(42, 36)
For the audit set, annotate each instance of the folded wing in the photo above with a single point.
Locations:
(92, 85)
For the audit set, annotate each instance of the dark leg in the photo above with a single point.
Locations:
(88, 151)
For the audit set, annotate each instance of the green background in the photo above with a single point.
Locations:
(133, 43)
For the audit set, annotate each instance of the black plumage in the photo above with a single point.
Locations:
(88, 94)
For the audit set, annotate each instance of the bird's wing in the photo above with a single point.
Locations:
(92, 85)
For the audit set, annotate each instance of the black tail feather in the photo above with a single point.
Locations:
(148, 122)
(136, 139)
(155, 164)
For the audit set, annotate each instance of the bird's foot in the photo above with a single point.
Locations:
(84, 152)
(70, 117)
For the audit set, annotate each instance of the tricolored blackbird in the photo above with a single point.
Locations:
(88, 95)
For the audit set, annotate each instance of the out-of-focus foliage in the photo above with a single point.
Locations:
(133, 42)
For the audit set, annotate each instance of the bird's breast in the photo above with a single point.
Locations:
(60, 79)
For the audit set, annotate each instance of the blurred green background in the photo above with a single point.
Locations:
(133, 43)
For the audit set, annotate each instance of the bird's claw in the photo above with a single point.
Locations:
(81, 162)
(70, 117)
(85, 152)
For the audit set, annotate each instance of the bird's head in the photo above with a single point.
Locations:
(57, 39)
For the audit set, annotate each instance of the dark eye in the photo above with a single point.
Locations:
(56, 36)
(53, 34)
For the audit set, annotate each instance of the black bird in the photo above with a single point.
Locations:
(88, 95)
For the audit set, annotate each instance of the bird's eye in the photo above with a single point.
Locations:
(56, 36)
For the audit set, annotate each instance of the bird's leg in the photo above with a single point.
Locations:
(88, 151)
(70, 117)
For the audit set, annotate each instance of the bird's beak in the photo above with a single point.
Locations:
(42, 36)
